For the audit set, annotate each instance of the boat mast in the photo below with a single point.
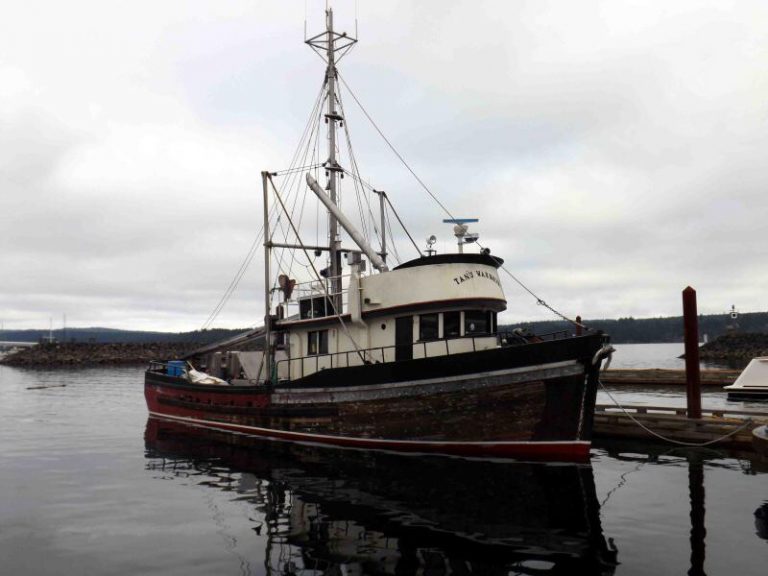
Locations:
(335, 242)
(328, 44)
(267, 280)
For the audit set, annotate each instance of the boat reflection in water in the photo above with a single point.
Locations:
(333, 511)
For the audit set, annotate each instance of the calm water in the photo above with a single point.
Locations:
(648, 356)
(664, 356)
(89, 486)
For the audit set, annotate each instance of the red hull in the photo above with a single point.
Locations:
(562, 451)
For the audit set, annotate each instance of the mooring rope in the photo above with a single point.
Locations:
(747, 422)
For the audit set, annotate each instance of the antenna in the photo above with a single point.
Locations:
(460, 231)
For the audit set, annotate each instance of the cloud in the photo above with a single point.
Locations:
(612, 150)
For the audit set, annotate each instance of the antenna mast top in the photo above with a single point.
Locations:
(332, 46)
(460, 230)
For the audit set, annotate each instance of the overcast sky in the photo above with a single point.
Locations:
(614, 151)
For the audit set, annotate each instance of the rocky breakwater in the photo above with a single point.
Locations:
(735, 348)
(95, 354)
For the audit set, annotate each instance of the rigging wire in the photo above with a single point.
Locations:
(336, 312)
(401, 224)
(539, 300)
(234, 282)
(368, 220)
(394, 150)
(356, 176)
(229, 291)
(388, 224)
(305, 143)
(293, 181)
(288, 171)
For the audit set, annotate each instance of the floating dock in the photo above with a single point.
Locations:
(673, 423)
(665, 377)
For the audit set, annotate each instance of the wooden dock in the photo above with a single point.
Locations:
(612, 422)
(665, 377)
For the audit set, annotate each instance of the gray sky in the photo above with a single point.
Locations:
(613, 150)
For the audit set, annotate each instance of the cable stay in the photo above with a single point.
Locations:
(329, 108)
(539, 301)
(318, 277)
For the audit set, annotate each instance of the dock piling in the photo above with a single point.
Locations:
(691, 336)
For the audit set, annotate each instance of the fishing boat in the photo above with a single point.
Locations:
(358, 352)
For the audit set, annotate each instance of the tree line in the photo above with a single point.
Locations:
(622, 330)
(666, 329)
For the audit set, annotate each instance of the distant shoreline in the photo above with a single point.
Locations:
(621, 330)
(74, 354)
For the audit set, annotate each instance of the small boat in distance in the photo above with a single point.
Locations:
(752, 383)
(363, 354)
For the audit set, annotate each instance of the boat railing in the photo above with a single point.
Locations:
(383, 354)
(318, 296)
(316, 287)
(169, 368)
(512, 337)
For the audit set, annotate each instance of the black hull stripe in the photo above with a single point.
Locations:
(427, 386)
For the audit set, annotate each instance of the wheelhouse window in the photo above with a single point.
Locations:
(428, 327)
(317, 342)
(315, 307)
(478, 322)
(451, 324)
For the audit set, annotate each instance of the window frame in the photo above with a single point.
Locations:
(452, 314)
(317, 342)
(475, 316)
(436, 326)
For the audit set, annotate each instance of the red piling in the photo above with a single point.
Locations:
(691, 336)
(578, 326)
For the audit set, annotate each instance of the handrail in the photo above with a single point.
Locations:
(318, 291)
(316, 286)
(511, 336)
(369, 358)
(161, 366)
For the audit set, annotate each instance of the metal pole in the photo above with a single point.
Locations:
(359, 239)
(333, 227)
(383, 229)
(267, 308)
(691, 335)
